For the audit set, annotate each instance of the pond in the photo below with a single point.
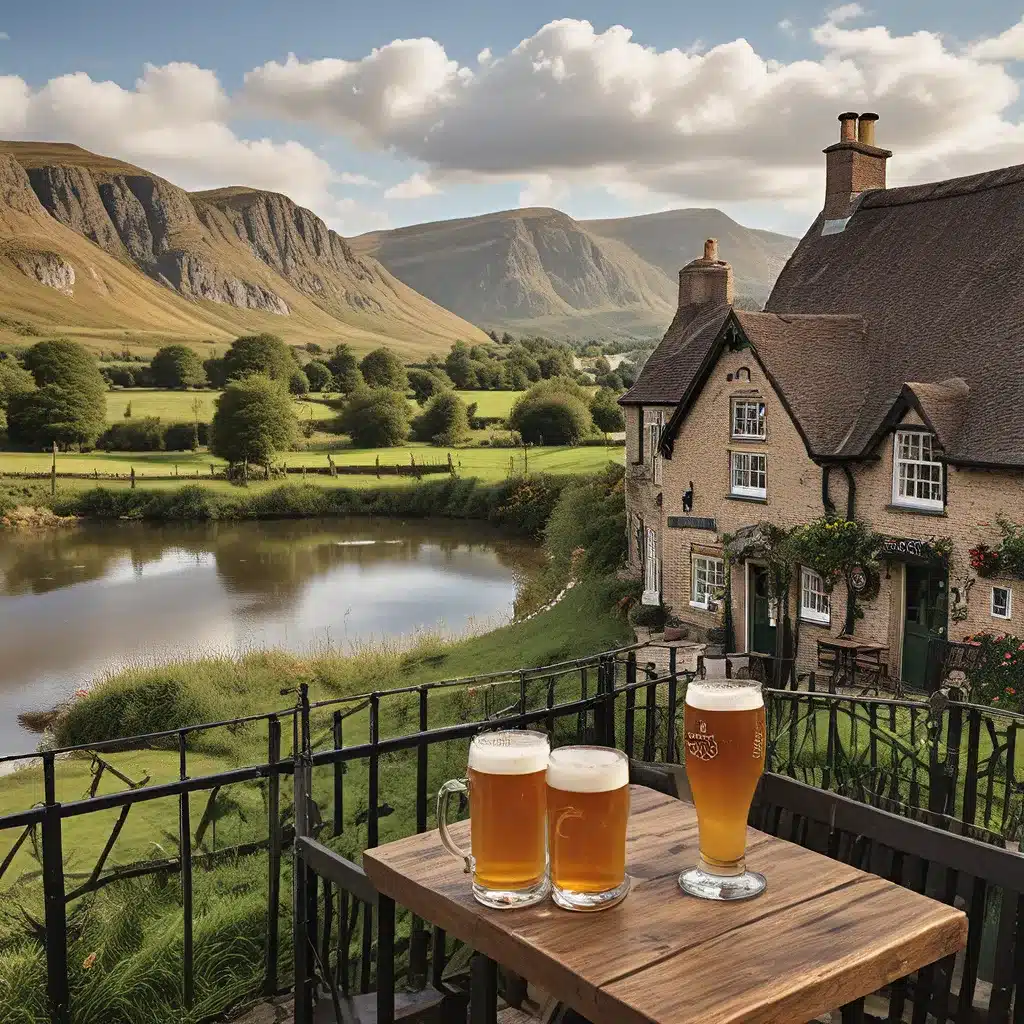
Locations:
(96, 598)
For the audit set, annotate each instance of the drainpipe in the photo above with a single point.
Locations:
(851, 511)
(826, 499)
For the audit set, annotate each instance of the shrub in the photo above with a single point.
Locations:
(587, 527)
(381, 368)
(177, 366)
(999, 677)
(119, 376)
(607, 412)
(298, 382)
(649, 616)
(156, 701)
(375, 418)
(319, 375)
(443, 421)
(145, 435)
(552, 415)
(186, 437)
(254, 420)
(427, 383)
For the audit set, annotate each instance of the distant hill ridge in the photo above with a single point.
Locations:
(538, 269)
(97, 243)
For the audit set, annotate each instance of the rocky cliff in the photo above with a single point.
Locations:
(240, 248)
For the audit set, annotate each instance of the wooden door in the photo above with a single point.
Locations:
(762, 612)
(924, 619)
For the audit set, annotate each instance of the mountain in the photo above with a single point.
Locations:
(671, 239)
(111, 253)
(540, 270)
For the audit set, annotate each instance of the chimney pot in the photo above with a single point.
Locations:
(848, 126)
(711, 249)
(866, 129)
(705, 282)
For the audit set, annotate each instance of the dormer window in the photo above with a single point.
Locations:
(916, 472)
(748, 419)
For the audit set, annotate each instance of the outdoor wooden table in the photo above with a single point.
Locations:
(822, 935)
(848, 649)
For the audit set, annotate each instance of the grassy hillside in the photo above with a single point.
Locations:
(146, 263)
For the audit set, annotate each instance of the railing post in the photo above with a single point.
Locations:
(418, 937)
(185, 855)
(339, 776)
(54, 900)
(300, 873)
(273, 854)
(483, 1000)
(630, 702)
(673, 697)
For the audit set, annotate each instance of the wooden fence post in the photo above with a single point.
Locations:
(53, 471)
(133, 478)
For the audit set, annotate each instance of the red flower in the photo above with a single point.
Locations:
(1007, 656)
(1010, 690)
(995, 700)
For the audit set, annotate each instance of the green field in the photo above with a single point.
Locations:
(178, 406)
(485, 463)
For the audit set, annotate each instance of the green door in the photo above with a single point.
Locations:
(762, 622)
(925, 618)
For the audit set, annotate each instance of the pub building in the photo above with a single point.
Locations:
(882, 382)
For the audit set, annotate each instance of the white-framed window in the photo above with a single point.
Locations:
(1002, 603)
(916, 473)
(708, 581)
(814, 602)
(654, 428)
(748, 418)
(652, 570)
(748, 474)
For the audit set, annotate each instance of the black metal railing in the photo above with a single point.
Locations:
(377, 758)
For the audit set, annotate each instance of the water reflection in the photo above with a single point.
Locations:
(97, 597)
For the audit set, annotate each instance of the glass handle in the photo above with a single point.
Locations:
(451, 787)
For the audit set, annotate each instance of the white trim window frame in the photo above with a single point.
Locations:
(1002, 609)
(652, 569)
(748, 474)
(748, 419)
(917, 477)
(707, 579)
(654, 428)
(815, 605)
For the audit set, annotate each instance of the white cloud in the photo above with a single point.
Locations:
(574, 106)
(415, 187)
(4, 36)
(1007, 46)
(346, 178)
(175, 122)
(484, 55)
(787, 27)
(845, 12)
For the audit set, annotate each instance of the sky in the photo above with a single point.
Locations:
(380, 115)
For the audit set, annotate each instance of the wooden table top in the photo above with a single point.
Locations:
(852, 643)
(823, 934)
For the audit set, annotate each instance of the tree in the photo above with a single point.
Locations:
(376, 418)
(553, 412)
(265, 354)
(606, 412)
(319, 375)
(216, 372)
(426, 383)
(70, 405)
(601, 366)
(145, 435)
(493, 335)
(298, 382)
(444, 421)
(381, 368)
(254, 420)
(177, 366)
(14, 380)
(459, 366)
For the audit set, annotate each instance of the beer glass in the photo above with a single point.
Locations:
(507, 812)
(588, 808)
(725, 741)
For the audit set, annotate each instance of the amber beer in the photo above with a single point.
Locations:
(507, 813)
(588, 808)
(724, 727)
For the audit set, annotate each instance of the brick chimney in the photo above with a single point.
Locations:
(852, 165)
(706, 281)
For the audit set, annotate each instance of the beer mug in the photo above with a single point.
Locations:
(507, 811)
(725, 745)
(588, 809)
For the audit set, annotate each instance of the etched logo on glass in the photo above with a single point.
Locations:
(701, 745)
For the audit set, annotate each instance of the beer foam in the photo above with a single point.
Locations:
(722, 696)
(587, 769)
(509, 753)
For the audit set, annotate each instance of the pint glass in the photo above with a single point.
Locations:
(507, 814)
(588, 808)
(725, 744)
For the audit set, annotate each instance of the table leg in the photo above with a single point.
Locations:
(483, 997)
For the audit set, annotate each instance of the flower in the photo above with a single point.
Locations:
(1007, 656)
(1010, 690)
(995, 700)
(88, 961)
